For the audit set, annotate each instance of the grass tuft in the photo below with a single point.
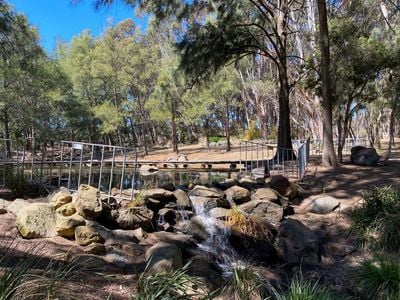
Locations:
(245, 283)
(166, 286)
(380, 279)
(300, 289)
(377, 222)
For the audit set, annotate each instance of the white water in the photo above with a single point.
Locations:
(217, 244)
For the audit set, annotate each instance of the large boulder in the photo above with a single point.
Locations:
(87, 202)
(16, 205)
(202, 191)
(265, 210)
(237, 194)
(135, 217)
(36, 220)
(182, 199)
(85, 235)
(158, 194)
(220, 213)
(59, 197)
(297, 244)
(65, 226)
(265, 194)
(248, 183)
(281, 184)
(163, 257)
(364, 156)
(324, 205)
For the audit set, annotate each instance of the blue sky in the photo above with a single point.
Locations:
(59, 19)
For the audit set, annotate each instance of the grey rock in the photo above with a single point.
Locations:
(265, 194)
(87, 202)
(364, 156)
(266, 210)
(15, 206)
(297, 244)
(135, 217)
(324, 205)
(237, 194)
(202, 191)
(163, 257)
(36, 220)
(182, 198)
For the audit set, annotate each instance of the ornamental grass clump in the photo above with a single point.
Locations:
(300, 289)
(166, 286)
(245, 283)
(379, 278)
(377, 222)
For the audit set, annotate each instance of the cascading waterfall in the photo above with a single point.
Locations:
(217, 244)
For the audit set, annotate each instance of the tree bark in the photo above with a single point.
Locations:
(227, 133)
(284, 134)
(328, 153)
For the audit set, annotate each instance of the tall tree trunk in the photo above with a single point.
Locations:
(284, 135)
(226, 121)
(391, 129)
(328, 153)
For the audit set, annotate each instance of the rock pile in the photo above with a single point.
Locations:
(163, 226)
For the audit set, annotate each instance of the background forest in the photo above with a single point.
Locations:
(151, 88)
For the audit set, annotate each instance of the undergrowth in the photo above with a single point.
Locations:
(379, 278)
(377, 222)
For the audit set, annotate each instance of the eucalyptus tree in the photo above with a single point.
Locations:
(219, 32)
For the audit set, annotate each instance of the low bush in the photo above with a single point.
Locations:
(379, 278)
(16, 182)
(376, 222)
(216, 139)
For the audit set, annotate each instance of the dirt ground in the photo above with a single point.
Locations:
(347, 183)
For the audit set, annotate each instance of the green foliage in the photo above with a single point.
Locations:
(253, 132)
(300, 289)
(245, 283)
(216, 139)
(166, 286)
(138, 200)
(379, 279)
(16, 182)
(376, 222)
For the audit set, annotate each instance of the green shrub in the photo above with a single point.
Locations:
(245, 283)
(380, 279)
(16, 182)
(305, 290)
(253, 132)
(376, 222)
(216, 139)
(167, 286)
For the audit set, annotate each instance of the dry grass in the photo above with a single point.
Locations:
(248, 225)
